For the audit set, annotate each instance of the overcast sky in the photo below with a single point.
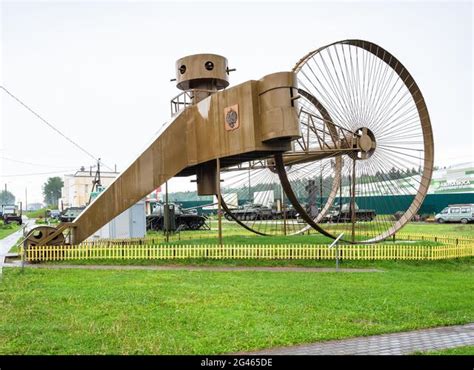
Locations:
(100, 71)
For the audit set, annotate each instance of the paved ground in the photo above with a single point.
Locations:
(387, 344)
(8, 242)
(191, 268)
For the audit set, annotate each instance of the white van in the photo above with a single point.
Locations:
(456, 213)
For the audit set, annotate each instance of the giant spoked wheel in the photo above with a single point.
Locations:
(384, 140)
(254, 195)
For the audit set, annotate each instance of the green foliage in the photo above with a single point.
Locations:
(46, 221)
(6, 197)
(36, 214)
(7, 229)
(52, 190)
(200, 312)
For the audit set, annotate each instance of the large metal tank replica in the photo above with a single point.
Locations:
(345, 116)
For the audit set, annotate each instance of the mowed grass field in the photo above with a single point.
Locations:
(234, 234)
(201, 312)
(73, 311)
(466, 350)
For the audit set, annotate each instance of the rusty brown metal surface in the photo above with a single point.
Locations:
(333, 148)
(354, 145)
(200, 130)
(250, 123)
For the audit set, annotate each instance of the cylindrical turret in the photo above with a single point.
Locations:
(206, 73)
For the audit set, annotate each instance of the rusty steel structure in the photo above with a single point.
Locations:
(343, 118)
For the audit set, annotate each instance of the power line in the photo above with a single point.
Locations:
(36, 174)
(33, 164)
(52, 126)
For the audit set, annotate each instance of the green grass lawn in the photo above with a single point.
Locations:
(36, 214)
(16, 248)
(233, 233)
(465, 350)
(257, 239)
(452, 229)
(6, 230)
(448, 264)
(200, 312)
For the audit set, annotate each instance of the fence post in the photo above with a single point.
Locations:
(335, 244)
(23, 251)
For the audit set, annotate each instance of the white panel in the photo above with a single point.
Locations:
(265, 198)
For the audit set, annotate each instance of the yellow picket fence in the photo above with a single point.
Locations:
(448, 240)
(253, 251)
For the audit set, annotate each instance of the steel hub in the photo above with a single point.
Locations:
(367, 143)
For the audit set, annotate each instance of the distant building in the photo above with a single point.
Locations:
(450, 185)
(457, 178)
(34, 206)
(77, 187)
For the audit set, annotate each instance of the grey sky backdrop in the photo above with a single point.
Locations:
(100, 71)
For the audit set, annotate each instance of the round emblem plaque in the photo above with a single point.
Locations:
(231, 118)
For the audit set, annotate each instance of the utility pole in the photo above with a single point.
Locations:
(166, 209)
(98, 173)
(26, 199)
(250, 191)
(353, 210)
(219, 200)
(283, 209)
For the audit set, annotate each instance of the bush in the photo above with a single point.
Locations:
(5, 226)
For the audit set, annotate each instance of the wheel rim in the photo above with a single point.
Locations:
(362, 86)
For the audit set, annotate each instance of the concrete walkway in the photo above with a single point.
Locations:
(189, 268)
(8, 242)
(386, 344)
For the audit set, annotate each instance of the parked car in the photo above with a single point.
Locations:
(463, 213)
(55, 213)
(70, 214)
(11, 213)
